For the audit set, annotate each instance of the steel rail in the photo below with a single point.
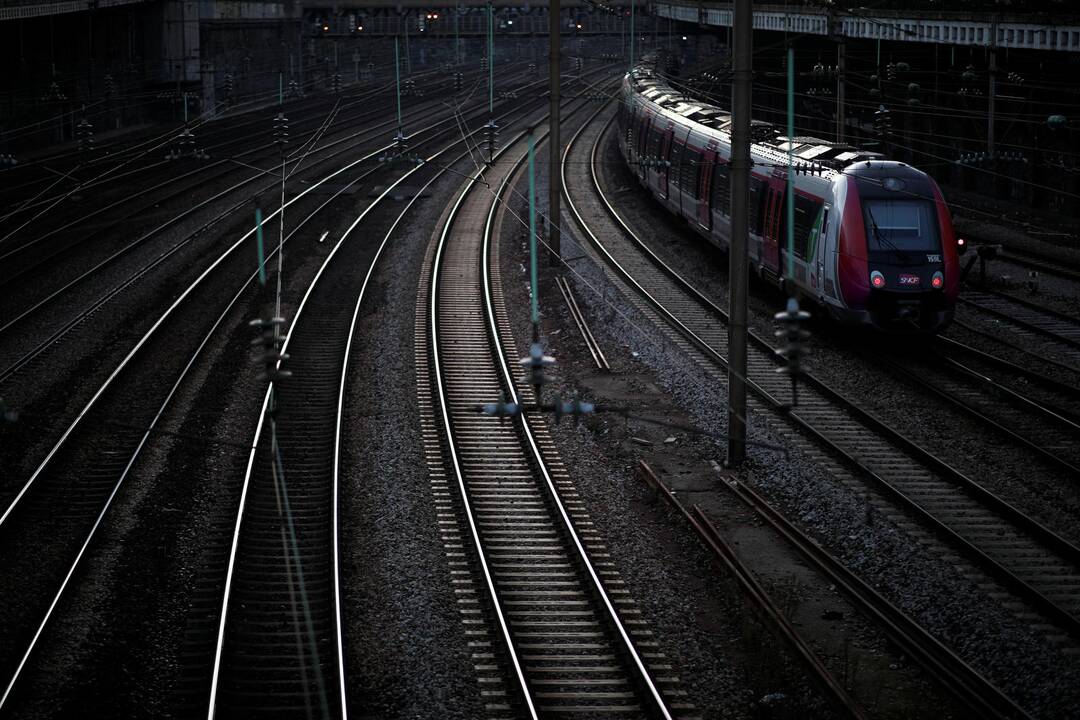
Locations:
(335, 481)
(1054, 384)
(1068, 367)
(931, 653)
(1046, 265)
(95, 305)
(1038, 531)
(241, 112)
(228, 165)
(582, 325)
(168, 312)
(1046, 328)
(134, 457)
(148, 432)
(440, 385)
(163, 139)
(526, 422)
(59, 333)
(243, 287)
(996, 390)
(756, 593)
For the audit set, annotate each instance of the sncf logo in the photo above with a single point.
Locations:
(909, 279)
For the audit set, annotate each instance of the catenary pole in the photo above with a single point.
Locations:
(738, 264)
(397, 83)
(491, 60)
(841, 88)
(790, 161)
(554, 140)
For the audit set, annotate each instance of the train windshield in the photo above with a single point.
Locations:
(901, 226)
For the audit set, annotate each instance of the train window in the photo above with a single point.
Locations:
(691, 172)
(721, 190)
(653, 149)
(643, 131)
(676, 158)
(901, 226)
(806, 216)
(704, 178)
(758, 193)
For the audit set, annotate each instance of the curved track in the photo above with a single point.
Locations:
(62, 506)
(568, 649)
(1036, 564)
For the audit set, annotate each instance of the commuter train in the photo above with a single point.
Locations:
(874, 243)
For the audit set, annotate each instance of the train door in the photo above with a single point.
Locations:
(771, 230)
(663, 170)
(825, 239)
(704, 193)
(643, 142)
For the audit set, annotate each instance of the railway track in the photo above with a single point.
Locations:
(91, 236)
(64, 503)
(108, 158)
(96, 461)
(1028, 322)
(1037, 566)
(47, 333)
(286, 539)
(1047, 265)
(552, 594)
(1032, 425)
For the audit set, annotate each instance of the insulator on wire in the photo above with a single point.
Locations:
(793, 335)
(535, 363)
(574, 408)
(502, 409)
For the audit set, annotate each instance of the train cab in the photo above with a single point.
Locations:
(896, 248)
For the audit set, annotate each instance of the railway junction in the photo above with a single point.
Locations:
(540, 360)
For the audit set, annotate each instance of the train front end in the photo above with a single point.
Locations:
(897, 256)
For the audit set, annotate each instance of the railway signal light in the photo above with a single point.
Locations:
(54, 93)
(270, 340)
(792, 332)
(84, 131)
(281, 131)
(882, 124)
(491, 134)
(7, 414)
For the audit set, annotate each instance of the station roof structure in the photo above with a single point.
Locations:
(980, 28)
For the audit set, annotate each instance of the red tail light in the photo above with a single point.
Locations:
(938, 280)
(877, 279)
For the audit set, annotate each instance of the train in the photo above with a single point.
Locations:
(874, 243)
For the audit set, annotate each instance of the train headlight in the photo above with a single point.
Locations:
(961, 245)
(937, 281)
(877, 279)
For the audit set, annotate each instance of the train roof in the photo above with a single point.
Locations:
(768, 140)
